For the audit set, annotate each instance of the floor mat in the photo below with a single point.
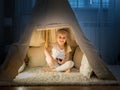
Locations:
(36, 76)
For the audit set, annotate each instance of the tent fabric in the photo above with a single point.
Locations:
(48, 15)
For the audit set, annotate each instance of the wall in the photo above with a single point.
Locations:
(1, 32)
(1, 22)
(117, 29)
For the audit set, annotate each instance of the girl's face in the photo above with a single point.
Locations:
(61, 39)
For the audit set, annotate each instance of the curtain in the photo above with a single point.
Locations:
(97, 19)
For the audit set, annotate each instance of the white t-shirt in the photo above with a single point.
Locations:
(59, 53)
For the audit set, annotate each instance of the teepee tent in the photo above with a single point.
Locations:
(46, 18)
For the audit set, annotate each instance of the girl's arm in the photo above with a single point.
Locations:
(48, 55)
(47, 52)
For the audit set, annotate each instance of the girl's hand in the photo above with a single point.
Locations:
(59, 62)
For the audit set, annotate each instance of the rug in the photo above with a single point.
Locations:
(36, 76)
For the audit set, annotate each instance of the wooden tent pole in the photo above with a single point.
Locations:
(46, 38)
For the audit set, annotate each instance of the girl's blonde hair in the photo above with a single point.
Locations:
(65, 31)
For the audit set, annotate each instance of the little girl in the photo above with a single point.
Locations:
(57, 55)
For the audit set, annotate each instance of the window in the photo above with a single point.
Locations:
(89, 3)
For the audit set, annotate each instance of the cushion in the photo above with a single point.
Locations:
(22, 67)
(38, 38)
(85, 68)
(36, 56)
(77, 57)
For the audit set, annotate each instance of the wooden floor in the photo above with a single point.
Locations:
(62, 88)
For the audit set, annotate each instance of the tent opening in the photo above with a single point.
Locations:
(40, 37)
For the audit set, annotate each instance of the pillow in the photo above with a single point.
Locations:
(22, 67)
(77, 57)
(38, 38)
(36, 56)
(85, 68)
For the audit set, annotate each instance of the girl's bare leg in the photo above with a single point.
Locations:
(49, 70)
(51, 64)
